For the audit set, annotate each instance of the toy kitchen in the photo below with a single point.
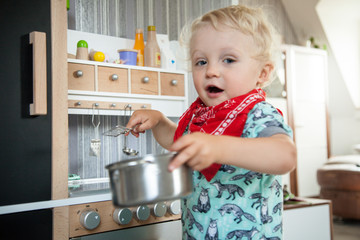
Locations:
(102, 94)
(99, 96)
(55, 184)
(74, 199)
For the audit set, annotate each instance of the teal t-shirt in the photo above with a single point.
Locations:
(238, 203)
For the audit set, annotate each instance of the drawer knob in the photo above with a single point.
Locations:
(174, 82)
(113, 105)
(144, 106)
(114, 77)
(146, 79)
(79, 73)
(78, 104)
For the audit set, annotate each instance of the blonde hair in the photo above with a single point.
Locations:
(250, 21)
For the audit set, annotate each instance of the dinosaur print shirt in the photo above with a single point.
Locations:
(238, 203)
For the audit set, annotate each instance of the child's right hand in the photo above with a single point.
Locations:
(142, 120)
(162, 128)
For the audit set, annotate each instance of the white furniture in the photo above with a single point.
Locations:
(311, 220)
(306, 78)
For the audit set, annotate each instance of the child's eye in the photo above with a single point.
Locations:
(229, 60)
(200, 63)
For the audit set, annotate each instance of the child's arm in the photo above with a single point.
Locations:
(273, 155)
(163, 128)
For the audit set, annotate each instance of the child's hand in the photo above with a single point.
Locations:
(162, 128)
(142, 120)
(197, 150)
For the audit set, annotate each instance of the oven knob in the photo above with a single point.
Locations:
(143, 212)
(90, 219)
(122, 216)
(160, 209)
(175, 207)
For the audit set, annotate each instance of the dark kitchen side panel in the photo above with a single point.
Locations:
(25, 142)
(26, 225)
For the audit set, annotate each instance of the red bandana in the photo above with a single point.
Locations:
(227, 118)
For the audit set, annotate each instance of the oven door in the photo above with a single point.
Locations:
(159, 231)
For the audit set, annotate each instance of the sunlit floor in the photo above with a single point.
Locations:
(346, 229)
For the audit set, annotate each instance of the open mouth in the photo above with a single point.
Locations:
(213, 89)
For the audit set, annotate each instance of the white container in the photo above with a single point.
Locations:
(168, 60)
(182, 58)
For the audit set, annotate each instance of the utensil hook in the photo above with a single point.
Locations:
(127, 106)
(93, 115)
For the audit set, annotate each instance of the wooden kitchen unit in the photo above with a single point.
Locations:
(112, 91)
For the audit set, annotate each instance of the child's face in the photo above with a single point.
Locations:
(222, 64)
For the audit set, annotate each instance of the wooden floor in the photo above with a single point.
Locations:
(346, 229)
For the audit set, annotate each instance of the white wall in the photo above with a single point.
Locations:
(344, 117)
(343, 35)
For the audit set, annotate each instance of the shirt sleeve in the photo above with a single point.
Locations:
(264, 121)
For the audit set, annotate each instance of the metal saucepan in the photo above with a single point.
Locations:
(147, 180)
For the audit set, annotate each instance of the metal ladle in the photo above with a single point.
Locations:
(126, 150)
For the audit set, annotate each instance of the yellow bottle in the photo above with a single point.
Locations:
(139, 46)
(152, 50)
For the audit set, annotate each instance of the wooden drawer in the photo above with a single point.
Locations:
(81, 77)
(144, 82)
(112, 79)
(172, 84)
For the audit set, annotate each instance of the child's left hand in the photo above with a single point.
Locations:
(197, 150)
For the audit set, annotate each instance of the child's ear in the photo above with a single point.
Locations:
(265, 73)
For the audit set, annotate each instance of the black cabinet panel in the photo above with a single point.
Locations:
(26, 225)
(25, 142)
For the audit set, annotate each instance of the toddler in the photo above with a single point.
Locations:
(237, 144)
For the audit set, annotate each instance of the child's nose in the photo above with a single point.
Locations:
(212, 70)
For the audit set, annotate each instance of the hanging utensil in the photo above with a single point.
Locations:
(95, 143)
(126, 150)
(117, 130)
